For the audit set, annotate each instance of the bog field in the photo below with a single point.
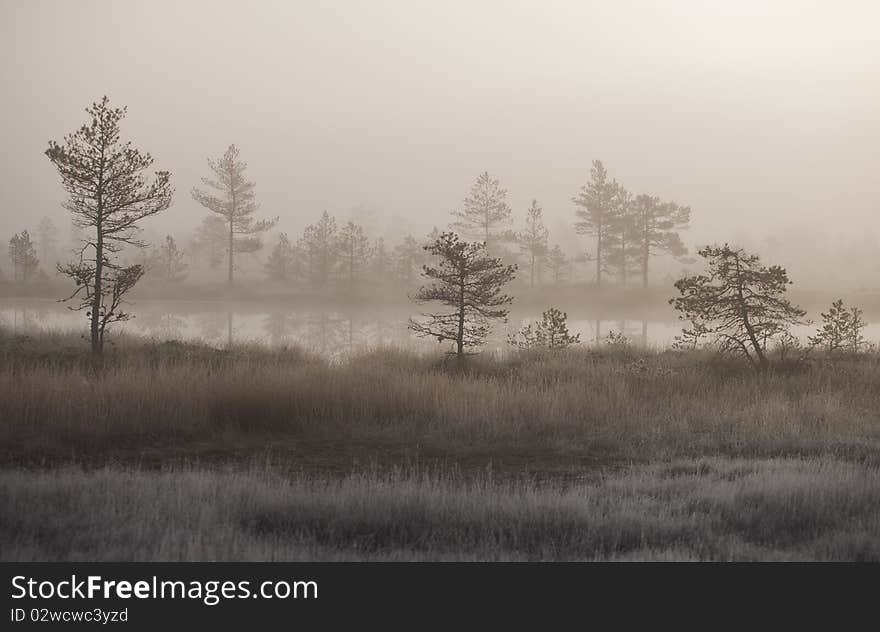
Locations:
(181, 451)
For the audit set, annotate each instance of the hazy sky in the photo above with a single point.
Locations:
(756, 113)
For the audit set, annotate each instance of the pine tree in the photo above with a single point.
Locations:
(551, 332)
(319, 242)
(484, 211)
(23, 257)
(408, 256)
(168, 261)
(558, 264)
(740, 303)
(354, 250)
(209, 240)
(280, 262)
(235, 201)
(533, 241)
(380, 263)
(108, 197)
(623, 248)
(47, 240)
(596, 206)
(469, 281)
(841, 329)
(657, 225)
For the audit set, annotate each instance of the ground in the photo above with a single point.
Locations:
(178, 451)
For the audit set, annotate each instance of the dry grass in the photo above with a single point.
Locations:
(713, 509)
(620, 406)
(142, 459)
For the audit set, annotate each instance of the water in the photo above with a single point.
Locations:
(333, 332)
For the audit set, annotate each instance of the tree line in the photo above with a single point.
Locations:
(627, 230)
(738, 305)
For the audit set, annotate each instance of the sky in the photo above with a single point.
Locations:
(760, 115)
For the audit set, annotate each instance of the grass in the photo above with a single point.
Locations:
(601, 453)
(153, 401)
(706, 509)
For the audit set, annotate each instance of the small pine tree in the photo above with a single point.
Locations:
(380, 262)
(408, 255)
(550, 333)
(47, 240)
(23, 256)
(320, 245)
(533, 241)
(354, 250)
(841, 329)
(168, 261)
(558, 264)
(208, 242)
(280, 262)
(469, 281)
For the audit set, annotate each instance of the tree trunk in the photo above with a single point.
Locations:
(599, 258)
(761, 365)
(97, 342)
(759, 352)
(229, 280)
(460, 338)
(646, 253)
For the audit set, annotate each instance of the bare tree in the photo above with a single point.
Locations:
(484, 211)
(596, 204)
(235, 202)
(469, 281)
(533, 241)
(739, 303)
(108, 195)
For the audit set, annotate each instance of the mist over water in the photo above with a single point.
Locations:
(334, 333)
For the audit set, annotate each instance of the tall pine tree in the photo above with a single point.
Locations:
(235, 201)
(596, 206)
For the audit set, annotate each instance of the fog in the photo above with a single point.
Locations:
(762, 116)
